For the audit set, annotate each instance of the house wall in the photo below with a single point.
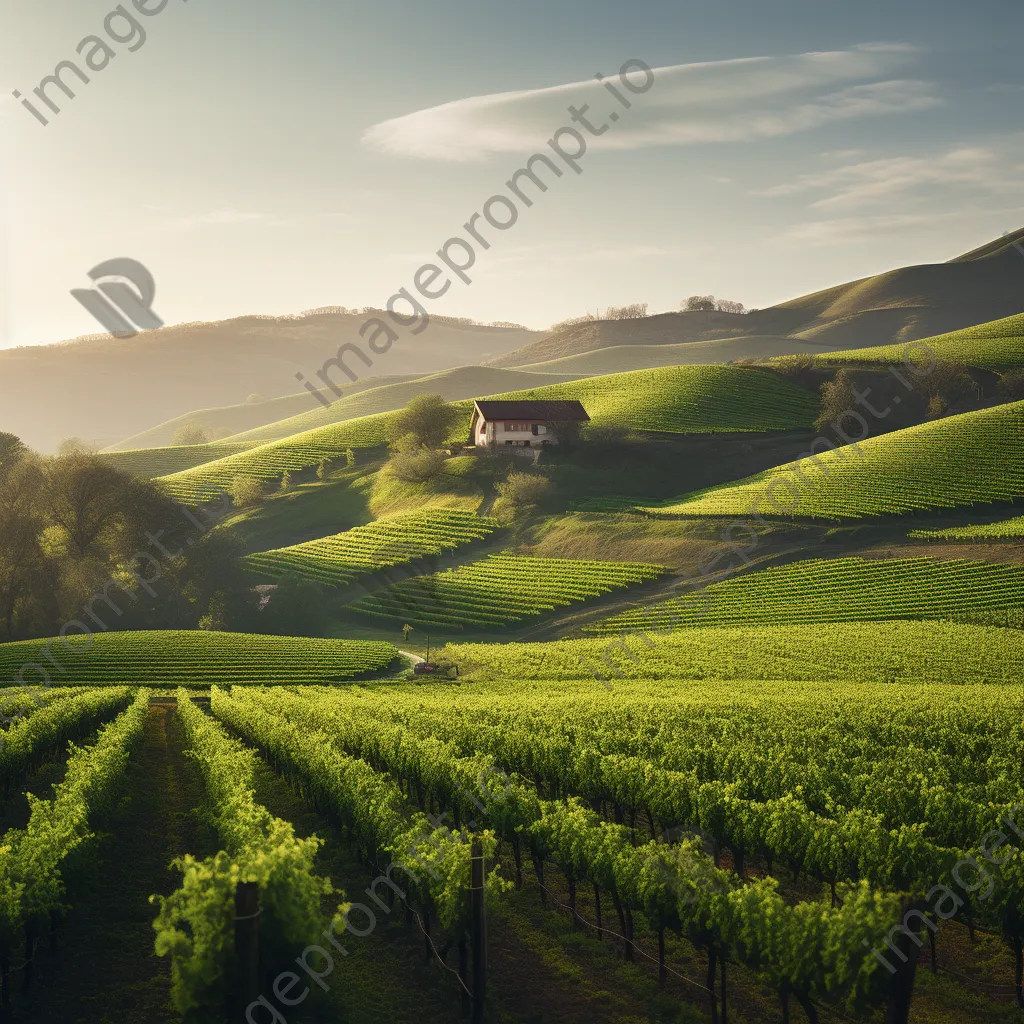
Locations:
(499, 431)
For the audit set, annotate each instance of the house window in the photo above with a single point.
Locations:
(509, 427)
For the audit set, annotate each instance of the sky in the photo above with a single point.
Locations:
(272, 156)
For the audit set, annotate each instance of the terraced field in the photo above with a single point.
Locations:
(1005, 529)
(336, 561)
(998, 345)
(191, 658)
(499, 590)
(859, 652)
(151, 462)
(836, 590)
(976, 457)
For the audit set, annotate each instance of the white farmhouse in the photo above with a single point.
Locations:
(528, 424)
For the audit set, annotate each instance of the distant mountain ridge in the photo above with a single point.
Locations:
(900, 305)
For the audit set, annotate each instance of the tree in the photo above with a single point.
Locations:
(700, 304)
(949, 381)
(565, 432)
(429, 419)
(246, 491)
(287, 480)
(728, 306)
(350, 457)
(297, 607)
(413, 462)
(75, 446)
(521, 491)
(85, 497)
(836, 400)
(573, 321)
(189, 433)
(323, 469)
(634, 311)
(1011, 385)
(12, 451)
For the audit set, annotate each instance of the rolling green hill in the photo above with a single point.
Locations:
(836, 590)
(461, 383)
(151, 462)
(976, 457)
(994, 346)
(198, 658)
(679, 399)
(336, 561)
(1004, 529)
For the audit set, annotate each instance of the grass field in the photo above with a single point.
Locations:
(192, 658)
(998, 345)
(976, 457)
(336, 561)
(500, 589)
(836, 590)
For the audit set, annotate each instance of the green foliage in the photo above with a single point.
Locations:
(190, 433)
(196, 924)
(414, 462)
(836, 590)
(338, 560)
(429, 419)
(520, 491)
(201, 658)
(499, 590)
(246, 491)
(981, 532)
(959, 460)
(836, 399)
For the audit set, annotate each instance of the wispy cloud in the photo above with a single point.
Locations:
(724, 101)
(968, 170)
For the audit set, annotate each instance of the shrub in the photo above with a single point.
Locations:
(189, 433)
(521, 490)
(937, 407)
(246, 491)
(323, 469)
(1011, 384)
(414, 463)
(287, 480)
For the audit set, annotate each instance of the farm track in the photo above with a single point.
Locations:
(105, 966)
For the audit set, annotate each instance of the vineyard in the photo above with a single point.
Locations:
(190, 658)
(152, 462)
(1006, 529)
(499, 590)
(338, 560)
(972, 458)
(869, 652)
(998, 345)
(836, 590)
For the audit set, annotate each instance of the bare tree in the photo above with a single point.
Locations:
(700, 304)
(728, 306)
(633, 311)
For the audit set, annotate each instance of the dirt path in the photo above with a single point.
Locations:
(105, 969)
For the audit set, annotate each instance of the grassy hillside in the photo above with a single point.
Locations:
(151, 462)
(461, 383)
(499, 590)
(861, 652)
(836, 590)
(972, 458)
(222, 421)
(200, 658)
(679, 399)
(393, 540)
(898, 305)
(994, 346)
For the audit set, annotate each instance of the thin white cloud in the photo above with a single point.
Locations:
(970, 170)
(724, 101)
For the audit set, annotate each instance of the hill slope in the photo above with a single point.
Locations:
(453, 385)
(896, 306)
(994, 346)
(105, 389)
(679, 399)
(961, 460)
